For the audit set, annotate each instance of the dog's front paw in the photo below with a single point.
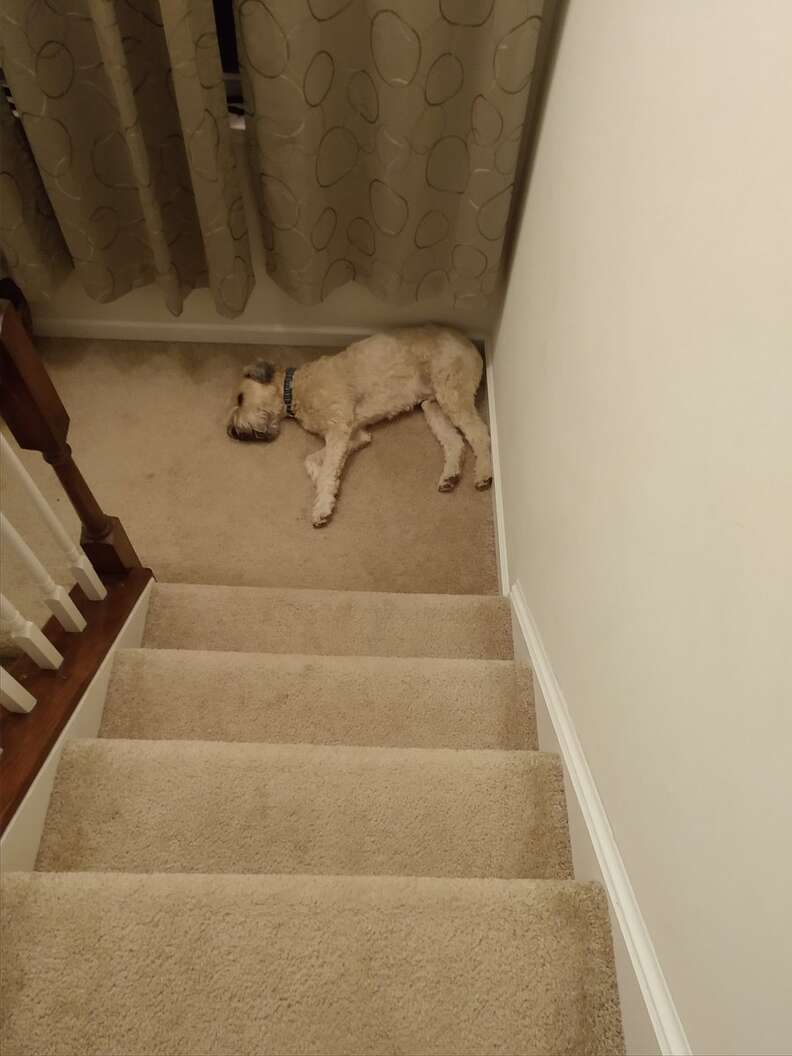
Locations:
(448, 483)
(483, 484)
(321, 517)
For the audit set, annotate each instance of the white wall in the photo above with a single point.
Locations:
(270, 315)
(643, 373)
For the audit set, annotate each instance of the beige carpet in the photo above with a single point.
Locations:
(270, 853)
(368, 700)
(148, 433)
(314, 820)
(329, 623)
(192, 965)
(209, 807)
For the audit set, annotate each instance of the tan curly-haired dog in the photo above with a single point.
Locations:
(337, 396)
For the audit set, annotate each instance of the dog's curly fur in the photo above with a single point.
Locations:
(337, 396)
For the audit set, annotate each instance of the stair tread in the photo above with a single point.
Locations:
(209, 806)
(179, 964)
(327, 622)
(281, 697)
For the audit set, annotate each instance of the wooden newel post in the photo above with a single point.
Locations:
(38, 421)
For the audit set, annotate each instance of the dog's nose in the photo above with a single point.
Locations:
(239, 434)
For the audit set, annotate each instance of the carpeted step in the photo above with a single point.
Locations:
(209, 806)
(388, 701)
(173, 965)
(328, 622)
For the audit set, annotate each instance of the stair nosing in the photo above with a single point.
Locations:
(160, 585)
(311, 747)
(347, 658)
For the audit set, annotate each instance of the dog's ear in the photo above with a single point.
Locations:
(260, 371)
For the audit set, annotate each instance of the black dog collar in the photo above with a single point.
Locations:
(288, 396)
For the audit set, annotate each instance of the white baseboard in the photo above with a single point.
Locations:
(651, 1022)
(20, 842)
(230, 333)
(497, 481)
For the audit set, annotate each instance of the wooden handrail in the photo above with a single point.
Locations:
(38, 421)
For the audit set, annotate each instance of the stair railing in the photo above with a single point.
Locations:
(33, 412)
(40, 689)
(79, 565)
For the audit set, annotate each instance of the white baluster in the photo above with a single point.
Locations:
(29, 637)
(58, 601)
(13, 696)
(81, 568)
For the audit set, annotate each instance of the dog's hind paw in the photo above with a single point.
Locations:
(482, 485)
(448, 483)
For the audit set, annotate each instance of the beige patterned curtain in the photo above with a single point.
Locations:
(123, 108)
(384, 136)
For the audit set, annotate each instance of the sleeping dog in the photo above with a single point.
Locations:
(338, 396)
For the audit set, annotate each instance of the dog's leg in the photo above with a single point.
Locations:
(465, 417)
(451, 442)
(336, 450)
(313, 463)
(360, 439)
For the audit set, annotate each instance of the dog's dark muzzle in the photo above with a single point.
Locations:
(249, 435)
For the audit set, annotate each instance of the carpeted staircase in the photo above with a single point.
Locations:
(313, 822)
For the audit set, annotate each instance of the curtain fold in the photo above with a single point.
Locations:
(31, 243)
(383, 136)
(124, 109)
